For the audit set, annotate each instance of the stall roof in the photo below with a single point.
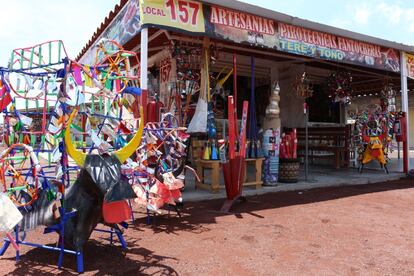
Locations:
(281, 17)
(277, 16)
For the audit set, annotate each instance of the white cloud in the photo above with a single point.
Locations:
(362, 14)
(397, 15)
(393, 13)
(408, 17)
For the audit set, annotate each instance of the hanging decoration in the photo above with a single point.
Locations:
(188, 60)
(340, 86)
(388, 95)
(303, 86)
(188, 65)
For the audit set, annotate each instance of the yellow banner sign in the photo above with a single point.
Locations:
(180, 14)
(410, 65)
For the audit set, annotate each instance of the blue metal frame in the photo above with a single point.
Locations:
(65, 179)
(61, 249)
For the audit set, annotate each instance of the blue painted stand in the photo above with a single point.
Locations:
(60, 229)
(118, 233)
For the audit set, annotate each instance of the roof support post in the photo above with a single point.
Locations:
(404, 108)
(144, 70)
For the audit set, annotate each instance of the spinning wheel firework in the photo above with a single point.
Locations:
(114, 63)
(19, 168)
(38, 91)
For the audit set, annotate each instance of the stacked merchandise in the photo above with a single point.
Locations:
(271, 139)
(288, 145)
(289, 163)
(271, 142)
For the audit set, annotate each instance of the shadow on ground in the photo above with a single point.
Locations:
(100, 258)
(197, 215)
(103, 259)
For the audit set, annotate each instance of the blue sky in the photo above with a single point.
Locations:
(27, 22)
(24, 23)
(387, 19)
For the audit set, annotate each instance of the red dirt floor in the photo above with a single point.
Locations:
(352, 230)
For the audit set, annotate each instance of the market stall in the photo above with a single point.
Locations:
(241, 92)
(199, 53)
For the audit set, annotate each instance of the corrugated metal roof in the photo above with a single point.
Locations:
(277, 16)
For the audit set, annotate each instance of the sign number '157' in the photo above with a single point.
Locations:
(185, 12)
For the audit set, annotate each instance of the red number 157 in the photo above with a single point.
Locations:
(184, 10)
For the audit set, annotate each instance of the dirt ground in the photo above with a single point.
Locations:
(354, 230)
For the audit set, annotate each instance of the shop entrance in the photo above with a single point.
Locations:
(321, 107)
(341, 95)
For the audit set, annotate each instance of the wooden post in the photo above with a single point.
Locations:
(404, 108)
(144, 70)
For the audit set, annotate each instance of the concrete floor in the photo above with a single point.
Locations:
(396, 164)
(319, 176)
